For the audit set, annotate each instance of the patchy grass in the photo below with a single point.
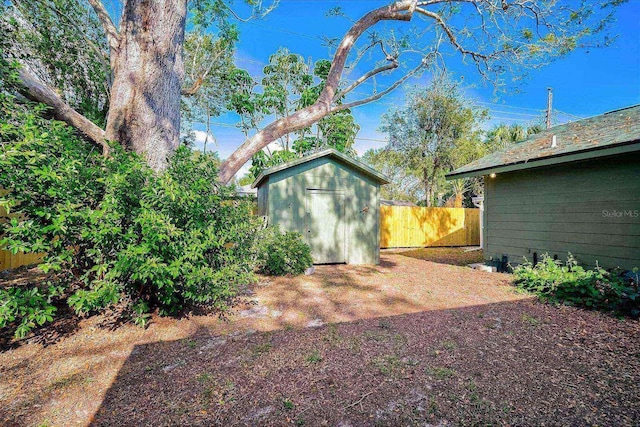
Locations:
(530, 320)
(260, 349)
(332, 337)
(288, 405)
(449, 344)
(441, 372)
(388, 365)
(314, 357)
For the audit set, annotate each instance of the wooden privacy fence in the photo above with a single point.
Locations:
(9, 260)
(408, 226)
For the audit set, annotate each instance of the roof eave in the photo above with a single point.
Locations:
(590, 154)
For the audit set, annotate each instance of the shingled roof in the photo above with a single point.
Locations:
(615, 132)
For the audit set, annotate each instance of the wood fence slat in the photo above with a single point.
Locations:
(9, 260)
(409, 226)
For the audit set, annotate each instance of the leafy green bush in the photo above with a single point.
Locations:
(29, 305)
(572, 284)
(113, 231)
(279, 254)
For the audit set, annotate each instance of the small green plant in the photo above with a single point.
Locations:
(384, 324)
(260, 349)
(433, 406)
(441, 372)
(572, 284)
(332, 336)
(530, 320)
(279, 253)
(205, 377)
(314, 357)
(449, 344)
(288, 404)
(191, 343)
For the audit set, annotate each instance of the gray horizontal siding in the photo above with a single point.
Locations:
(591, 209)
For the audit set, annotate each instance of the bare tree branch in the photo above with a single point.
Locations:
(101, 55)
(452, 38)
(361, 54)
(39, 92)
(254, 16)
(392, 66)
(399, 11)
(198, 82)
(380, 94)
(107, 23)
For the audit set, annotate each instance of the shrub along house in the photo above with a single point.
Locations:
(329, 198)
(572, 188)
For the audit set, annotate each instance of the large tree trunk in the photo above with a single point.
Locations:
(428, 190)
(144, 110)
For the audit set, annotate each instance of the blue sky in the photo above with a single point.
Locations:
(585, 83)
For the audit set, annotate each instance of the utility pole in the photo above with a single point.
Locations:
(549, 100)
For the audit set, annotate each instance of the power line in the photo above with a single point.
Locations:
(569, 115)
(513, 113)
(509, 106)
(515, 119)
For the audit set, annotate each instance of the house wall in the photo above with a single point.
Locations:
(589, 208)
(286, 207)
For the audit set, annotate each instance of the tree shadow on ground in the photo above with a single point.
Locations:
(66, 323)
(416, 342)
(512, 363)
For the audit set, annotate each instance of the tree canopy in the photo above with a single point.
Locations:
(288, 85)
(97, 71)
(436, 131)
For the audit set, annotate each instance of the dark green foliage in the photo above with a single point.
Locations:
(572, 284)
(114, 233)
(30, 306)
(280, 254)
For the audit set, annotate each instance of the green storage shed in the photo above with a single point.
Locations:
(571, 188)
(329, 198)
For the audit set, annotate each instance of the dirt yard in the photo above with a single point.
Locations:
(409, 342)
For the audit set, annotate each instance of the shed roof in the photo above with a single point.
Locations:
(343, 158)
(614, 132)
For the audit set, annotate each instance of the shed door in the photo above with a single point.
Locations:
(326, 231)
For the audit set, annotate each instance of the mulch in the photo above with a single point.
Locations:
(521, 363)
(409, 342)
